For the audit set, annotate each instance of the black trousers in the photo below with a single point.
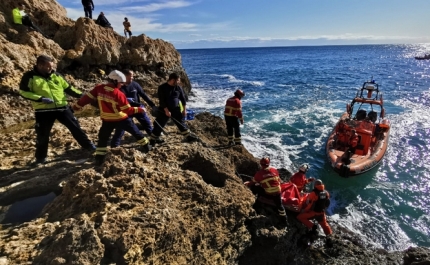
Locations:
(162, 119)
(277, 200)
(44, 122)
(107, 129)
(27, 22)
(88, 11)
(233, 127)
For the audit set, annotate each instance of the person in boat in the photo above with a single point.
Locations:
(114, 112)
(341, 139)
(133, 91)
(314, 208)
(233, 115)
(267, 183)
(352, 145)
(299, 178)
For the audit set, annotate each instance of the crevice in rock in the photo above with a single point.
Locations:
(207, 169)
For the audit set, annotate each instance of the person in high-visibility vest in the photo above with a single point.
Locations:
(21, 18)
(233, 115)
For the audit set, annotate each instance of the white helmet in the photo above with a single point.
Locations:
(117, 76)
(304, 168)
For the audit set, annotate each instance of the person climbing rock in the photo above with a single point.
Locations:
(266, 182)
(233, 115)
(47, 90)
(314, 208)
(172, 104)
(114, 112)
(299, 178)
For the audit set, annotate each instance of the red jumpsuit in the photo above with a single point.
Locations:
(299, 179)
(313, 209)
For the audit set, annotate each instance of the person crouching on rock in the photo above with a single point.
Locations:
(102, 21)
(114, 112)
(269, 186)
(299, 178)
(232, 115)
(314, 208)
(47, 90)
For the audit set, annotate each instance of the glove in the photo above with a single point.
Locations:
(102, 72)
(248, 183)
(141, 110)
(47, 100)
(241, 121)
(130, 100)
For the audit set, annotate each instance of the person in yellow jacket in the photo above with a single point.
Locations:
(21, 18)
(47, 91)
(127, 27)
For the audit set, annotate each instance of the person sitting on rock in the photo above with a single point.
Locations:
(127, 27)
(133, 91)
(171, 105)
(299, 178)
(114, 112)
(314, 208)
(47, 90)
(267, 183)
(21, 18)
(102, 21)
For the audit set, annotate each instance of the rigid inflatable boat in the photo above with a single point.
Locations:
(372, 128)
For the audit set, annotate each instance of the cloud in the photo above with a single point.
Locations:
(109, 2)
(157, 6)
(194, 35)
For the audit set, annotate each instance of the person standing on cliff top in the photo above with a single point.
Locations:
(114, 112)
(133, 91)
(172, 105)
(127, 27)
(232, 115)
(47, 90)
(88, 8)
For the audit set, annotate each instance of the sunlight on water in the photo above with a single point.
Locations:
(291, 107)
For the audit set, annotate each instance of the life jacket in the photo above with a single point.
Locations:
(323, 201)
(353, 141)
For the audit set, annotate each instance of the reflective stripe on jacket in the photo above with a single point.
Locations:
(34, 86)
(17, 17)
(269, 180)
(112, 103)
(233, 107)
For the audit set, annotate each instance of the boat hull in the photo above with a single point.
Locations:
(359, 163)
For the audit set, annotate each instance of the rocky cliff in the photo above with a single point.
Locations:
(182, 203)
(80, 49)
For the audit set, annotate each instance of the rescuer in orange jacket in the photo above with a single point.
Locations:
(269, 186)
(114, 112)
(299, 178)
(352, 145)
(314, 208)
(233, 115)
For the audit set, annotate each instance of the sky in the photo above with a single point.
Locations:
(189, 24)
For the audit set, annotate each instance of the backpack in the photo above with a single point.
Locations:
(322, 203)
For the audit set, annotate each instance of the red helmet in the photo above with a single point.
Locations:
(239, 93)
(265, 162)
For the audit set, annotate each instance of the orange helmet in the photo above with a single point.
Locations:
(265, 162)
(239, 93)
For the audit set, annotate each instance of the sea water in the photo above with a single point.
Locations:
(294, 97)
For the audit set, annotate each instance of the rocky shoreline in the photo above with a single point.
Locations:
(182, 203)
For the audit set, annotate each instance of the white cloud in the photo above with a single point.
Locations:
(157, 6)
(109, 2)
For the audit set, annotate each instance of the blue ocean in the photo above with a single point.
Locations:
(294, 97)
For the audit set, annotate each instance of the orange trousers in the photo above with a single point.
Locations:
(320, 217)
